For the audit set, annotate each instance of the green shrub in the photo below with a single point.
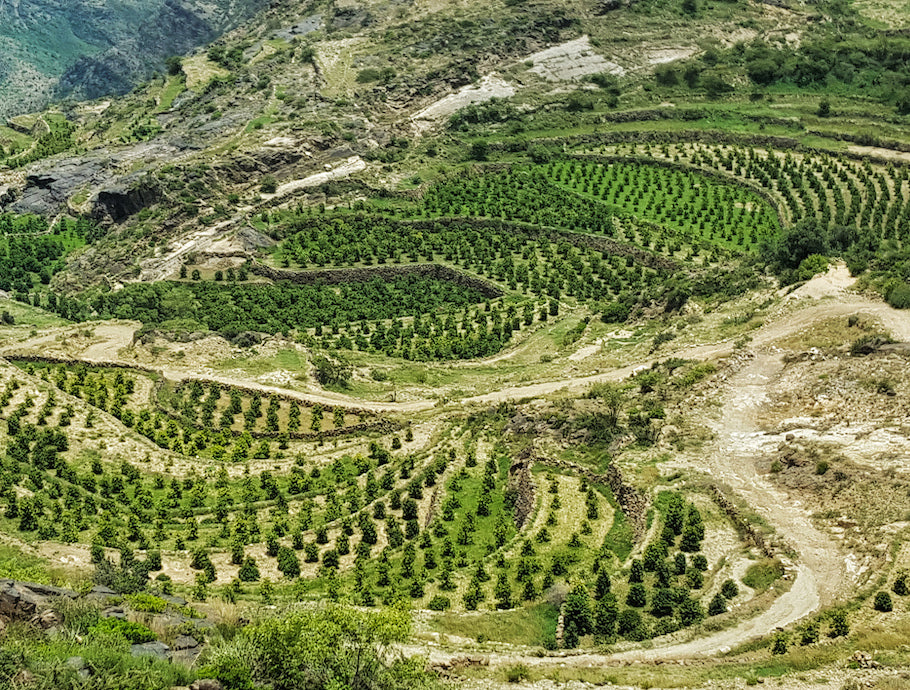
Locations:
(780, 643)
(439, 603)
(329, 647)
(517, 673)
(899, 296)
(838, 626)
(809, 634)
(135, 633)
(761, 575)
(146, 602)
(882, 602)
(717, 606)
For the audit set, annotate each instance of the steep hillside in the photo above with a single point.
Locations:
(52, 50)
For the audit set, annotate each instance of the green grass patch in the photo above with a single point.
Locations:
(174, 87)
(529, 625)
(18, 565)
(620, 538)
(763, 574)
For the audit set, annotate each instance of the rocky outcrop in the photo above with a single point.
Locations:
(50, 184)
(522, 484)
(32, 602)
(126, 199)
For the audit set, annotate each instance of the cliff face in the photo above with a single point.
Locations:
(52, 49)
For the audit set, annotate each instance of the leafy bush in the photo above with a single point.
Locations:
(838, 626)
(899, 296)
(517, 673)
(883, 602)
(135, 633)
(146, 602)
(332, 371)
(439, 603)
(780, 643)
(323, 648)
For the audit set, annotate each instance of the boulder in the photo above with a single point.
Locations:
(185, 642)
(114, 612)
(207, 684)
(155, 649)
(25, 600)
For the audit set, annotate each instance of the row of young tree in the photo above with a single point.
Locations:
(273, 308)
(831, 205)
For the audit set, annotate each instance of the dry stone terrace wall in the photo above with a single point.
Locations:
(631, 501)
(745, 528)
(597, 242)
(520, 480)
(340, 276)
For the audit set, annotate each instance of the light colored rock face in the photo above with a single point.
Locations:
(571, 61)
(489, 87)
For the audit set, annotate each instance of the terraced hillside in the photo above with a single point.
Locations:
(539, 342)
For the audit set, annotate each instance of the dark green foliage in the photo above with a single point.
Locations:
(632, 626)
(606, 613)
(637, 596)
(603, 584)
(30, 255)
(809, 634)
(838, 626)
(780, 643)
(662, 602)
(332, 371)
(248, 571)
(272, 308)
(882, 602)
(288, 563)
(690, 611)
(901, 585)
(579, 612)
(718, 605)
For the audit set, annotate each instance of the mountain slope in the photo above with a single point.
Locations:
(54, 49)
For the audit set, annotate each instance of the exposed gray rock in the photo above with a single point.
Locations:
(77, 663)
(27, 600)
(207, 684)
(154, 649)
(114, 612)
(185, 642)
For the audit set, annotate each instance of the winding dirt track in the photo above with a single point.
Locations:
(820, 572)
